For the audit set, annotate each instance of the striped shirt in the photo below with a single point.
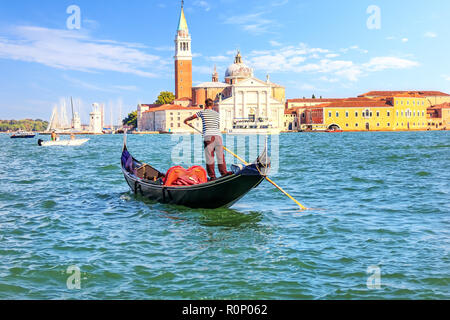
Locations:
(211, 122)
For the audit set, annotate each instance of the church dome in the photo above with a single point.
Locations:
(238, 69)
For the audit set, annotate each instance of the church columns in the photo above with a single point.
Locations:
(243, 105)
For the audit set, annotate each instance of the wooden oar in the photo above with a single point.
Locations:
(265, 177)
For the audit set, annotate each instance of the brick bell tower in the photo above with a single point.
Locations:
(183, 59)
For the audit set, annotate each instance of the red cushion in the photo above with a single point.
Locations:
(178, 176)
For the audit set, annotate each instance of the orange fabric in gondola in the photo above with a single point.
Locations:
(179, 176)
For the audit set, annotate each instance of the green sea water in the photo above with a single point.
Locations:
(381, 203)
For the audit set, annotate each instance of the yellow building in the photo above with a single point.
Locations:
(410, 112)
(375, 111)
(359, 116)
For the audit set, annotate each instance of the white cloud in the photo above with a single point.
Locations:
(274, 43)
(327, 79)
(298, 59)
(253, 22)
(430, 35)
(405, 40)
(446, 77)
(75, 50)
(203, 4)
(383, 63)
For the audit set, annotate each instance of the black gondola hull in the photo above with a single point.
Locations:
(223, 192)
(219, 193)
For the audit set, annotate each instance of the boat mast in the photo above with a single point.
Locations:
(73, 116)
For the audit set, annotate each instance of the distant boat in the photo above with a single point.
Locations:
(75, 142)
(23, 135)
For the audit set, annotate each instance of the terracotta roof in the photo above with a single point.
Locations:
(165, 107)
(150, 105)
(329, 100)
(360, 104)
(406, 93)
(354, 104)
(441, 106)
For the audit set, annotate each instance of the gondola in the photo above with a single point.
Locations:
(146, 181)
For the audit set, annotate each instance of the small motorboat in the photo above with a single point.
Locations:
(70, 142)
(23, 135)
(223, 192)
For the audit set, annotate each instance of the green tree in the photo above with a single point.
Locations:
(131, 119)
(313, 96)
(165, 97)
(26, 125)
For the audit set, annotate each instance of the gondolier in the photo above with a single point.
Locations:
(212, 139)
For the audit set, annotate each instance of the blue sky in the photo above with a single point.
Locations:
(123, 52)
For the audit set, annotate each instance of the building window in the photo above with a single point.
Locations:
(378, 113)
(407, 102)
(356, 124)
(378, 124)
(388, 113)
(329, 114)
(388, 124)
(337, 114)
(171, 125)
(356, 114)
(346, 114)
(397, 113)
(346, 124)
(179, 125)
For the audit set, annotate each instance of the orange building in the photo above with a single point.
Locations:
(183, 60)
(439, 117)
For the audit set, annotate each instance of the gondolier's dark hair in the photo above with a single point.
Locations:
(209, 103)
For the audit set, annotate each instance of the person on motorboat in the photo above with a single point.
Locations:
(212, 139)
